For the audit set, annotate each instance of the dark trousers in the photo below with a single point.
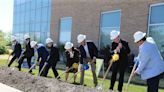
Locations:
(48, 66)
(41, 66)
(153, 83)
(116, 67)
(21, 61)
(12, 60)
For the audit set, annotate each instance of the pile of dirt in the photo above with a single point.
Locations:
(29, 83)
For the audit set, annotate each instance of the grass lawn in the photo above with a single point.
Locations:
(88, 79)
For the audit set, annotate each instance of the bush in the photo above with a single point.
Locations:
(3, 50)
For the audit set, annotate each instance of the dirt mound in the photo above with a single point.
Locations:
(30, 83)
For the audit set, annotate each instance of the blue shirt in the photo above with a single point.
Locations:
(151, 62)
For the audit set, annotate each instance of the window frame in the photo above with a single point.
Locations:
(63, 18)
(100, 21)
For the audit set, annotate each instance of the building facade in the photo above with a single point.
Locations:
(32, 17)
(96, 19)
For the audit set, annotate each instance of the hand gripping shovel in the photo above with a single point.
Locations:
(75, 65)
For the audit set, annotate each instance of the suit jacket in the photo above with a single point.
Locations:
(93, 51)
(124, 51)
(75, 58)
(53, 56)
(29, 52)
(42, 53)
(17, 50)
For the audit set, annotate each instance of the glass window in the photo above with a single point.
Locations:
(45, 3)
(38, 3)
(38, 15)
(32, 27)
(44, 14)
(157, 11)
(32, 16)
(37, 37)
(33, 4)
(37, 27)
(109, 21)
(44, 27)
(156, 25)
(49, 14)
(65, 29)
(28, 6)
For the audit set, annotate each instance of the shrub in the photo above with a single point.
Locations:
(3, 49)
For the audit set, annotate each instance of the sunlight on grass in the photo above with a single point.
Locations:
(88, 79)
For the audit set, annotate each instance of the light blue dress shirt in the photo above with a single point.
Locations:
(151, 62)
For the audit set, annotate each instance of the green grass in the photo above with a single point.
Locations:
(88, 79)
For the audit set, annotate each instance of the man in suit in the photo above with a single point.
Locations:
(41, 54)
(28, 53)
(16, 51)
(122, 48)
(89, 53)
(151, 66)
(53, 58)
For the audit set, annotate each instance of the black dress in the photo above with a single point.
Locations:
(72, 60)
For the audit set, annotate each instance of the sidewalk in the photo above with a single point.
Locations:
(5, 88)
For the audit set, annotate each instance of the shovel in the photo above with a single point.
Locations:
(7, 62)
(42, 68)
(131, 75)
(100, 87)
(75, 65)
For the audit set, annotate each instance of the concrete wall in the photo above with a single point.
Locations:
(86, 17)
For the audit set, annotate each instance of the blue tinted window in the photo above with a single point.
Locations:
(65, 29)
(156, 25)
(157, 14)
(33, 4)
(44, 14)
(38, 3)
(110, 19)
(38, 15)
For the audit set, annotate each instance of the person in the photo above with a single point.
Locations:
(120, 47)
(16, 51)
(89, 53)
(41, 53)
(72, 57)
(53, 58)
(28, 53)
(151, 66)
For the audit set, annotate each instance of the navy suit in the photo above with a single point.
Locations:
(16, 53)
(43, 54)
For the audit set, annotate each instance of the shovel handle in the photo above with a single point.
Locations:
(64, 72)
(130, 78)
(106, 73)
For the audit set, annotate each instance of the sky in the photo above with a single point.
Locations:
(6, 15)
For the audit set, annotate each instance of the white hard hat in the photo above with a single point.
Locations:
(68, 45)
(49, 40)
(33, 43)
(114, 34)
(138, 36)
(81, 38)
(13, 38)
(26, 36)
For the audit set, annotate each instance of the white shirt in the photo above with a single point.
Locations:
(86, 50)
